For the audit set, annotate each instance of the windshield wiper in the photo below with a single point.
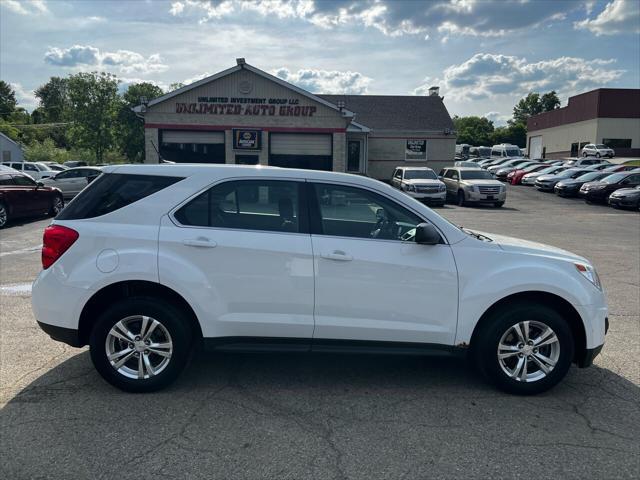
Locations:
(479, 236)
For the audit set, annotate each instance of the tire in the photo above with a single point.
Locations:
(584, 154)
(173, 335)
(498, 204)
(461, 200)
(597, 154)
(57, 204)
(4, 215)
(500, 330)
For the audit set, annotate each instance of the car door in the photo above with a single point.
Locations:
(396, 180)
(372, 285)
(242, 252)
(31, 170)
(30, 199)
(71, 182)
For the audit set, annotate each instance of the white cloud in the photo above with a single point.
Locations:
(24, 97)
(498, 119)
(486, 18)
(324, 81)
(124, 61)
(487, 75)
(619, 16)
(26, 7)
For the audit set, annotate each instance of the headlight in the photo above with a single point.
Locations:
(410, 188)
(589, 273)
(442, 187)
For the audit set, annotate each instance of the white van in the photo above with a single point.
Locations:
(505, 150)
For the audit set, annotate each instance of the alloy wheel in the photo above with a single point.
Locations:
(58, 205)
(139, 347)
(3, 216)
(528, 351)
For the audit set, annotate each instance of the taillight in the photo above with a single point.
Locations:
(55, 241)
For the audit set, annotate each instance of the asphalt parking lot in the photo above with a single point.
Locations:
(241, 416)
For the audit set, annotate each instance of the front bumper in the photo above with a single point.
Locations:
(566, 191)
(484, 198)
(545, 187)
(623, 202)
(69, 336)
(436, 197)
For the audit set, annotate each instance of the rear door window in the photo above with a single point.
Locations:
(113, 191)
(23, 180)
(6, 180)
(267, 205)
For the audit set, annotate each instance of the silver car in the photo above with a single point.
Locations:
(597, 150)
(72, 181)
(473, 185)
(420, 183)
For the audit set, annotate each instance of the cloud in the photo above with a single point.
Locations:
(618, 17)
(477, 18)
(498, 119)
(487, 75)
(24, 97)
(125, 61)
(325, 81)
(26, 7)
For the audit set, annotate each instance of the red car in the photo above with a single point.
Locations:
(21, 196)
(515, 177)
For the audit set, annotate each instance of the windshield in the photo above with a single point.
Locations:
(531, 168)
(549, 170)
(601, 146)
(591, 176)
(513, 152)
(614, 178)
(419, 175)
(475, 175)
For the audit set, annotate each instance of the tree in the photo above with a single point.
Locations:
(534, 104)
(550, 101)
(130, 127)
(7, 100)
(473, 130)
(54, 99)
(514, 133)
(93, 101)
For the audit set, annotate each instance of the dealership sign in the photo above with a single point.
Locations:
(281, 107)
(246, 139)
(416, 150)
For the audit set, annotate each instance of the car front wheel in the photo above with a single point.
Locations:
(461, 200)
(141, 344)
(57, 205)
(525, 349)
(4, 215)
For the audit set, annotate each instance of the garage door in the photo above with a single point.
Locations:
(535, 147)
(301, 150)
(178, 136)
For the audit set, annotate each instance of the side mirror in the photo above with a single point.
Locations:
(426, 234)
(439, 177)
(39, 184)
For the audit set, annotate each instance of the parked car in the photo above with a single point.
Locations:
(501, 173)
(600, 191)
(585, 162)
(72, 181)
(625, 198)
(465, 163)
(618, 168)
(480, 152)
(5, 169)
(514, 162)
(499, 161)
(55, 166)
(150, 262)
(35, 170)
(515, 177)
(22, 196)
(571, 186)
(530, 178)
(75, 163)
(505, 150)
(597, 150)
(420, 183)
(546, 183)
(485, 162)
(473, 185)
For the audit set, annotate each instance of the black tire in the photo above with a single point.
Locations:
(171, 318)
(55, 206)
(461, 200)
(597, 154)
(4, 215)
(488, 338)
(584, 154)
(498, 204)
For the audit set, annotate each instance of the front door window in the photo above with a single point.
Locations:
(354, 151)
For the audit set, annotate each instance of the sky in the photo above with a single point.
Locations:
(483, 54)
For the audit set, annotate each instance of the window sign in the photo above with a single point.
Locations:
(244, 139)
(416, 150)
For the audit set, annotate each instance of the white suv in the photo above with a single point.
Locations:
(597, 150)
(150, 261)
(420, 183)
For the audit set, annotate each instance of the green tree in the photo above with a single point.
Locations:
(54, 99)
(473, 130)
(93, 107)
(514, 133)
(45, 151)
(130, 127)
(9, 130)
(534, 104)
(7, 100)
(550, 101)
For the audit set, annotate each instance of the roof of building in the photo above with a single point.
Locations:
(599, 103)
(10, 140)
(396, 112)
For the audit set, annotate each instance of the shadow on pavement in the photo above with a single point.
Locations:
(319, 416)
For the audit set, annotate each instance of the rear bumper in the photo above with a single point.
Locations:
(69, 336)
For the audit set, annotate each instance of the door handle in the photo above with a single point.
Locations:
(199, 242)
(338, 255)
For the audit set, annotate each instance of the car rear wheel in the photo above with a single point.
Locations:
(525, 349)
(141, 344)
(461, 200)
(57, 204)
(4, 215)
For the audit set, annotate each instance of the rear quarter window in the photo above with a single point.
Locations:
(112, 191)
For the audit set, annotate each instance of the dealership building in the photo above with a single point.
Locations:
(244, 115)
(609, 116)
